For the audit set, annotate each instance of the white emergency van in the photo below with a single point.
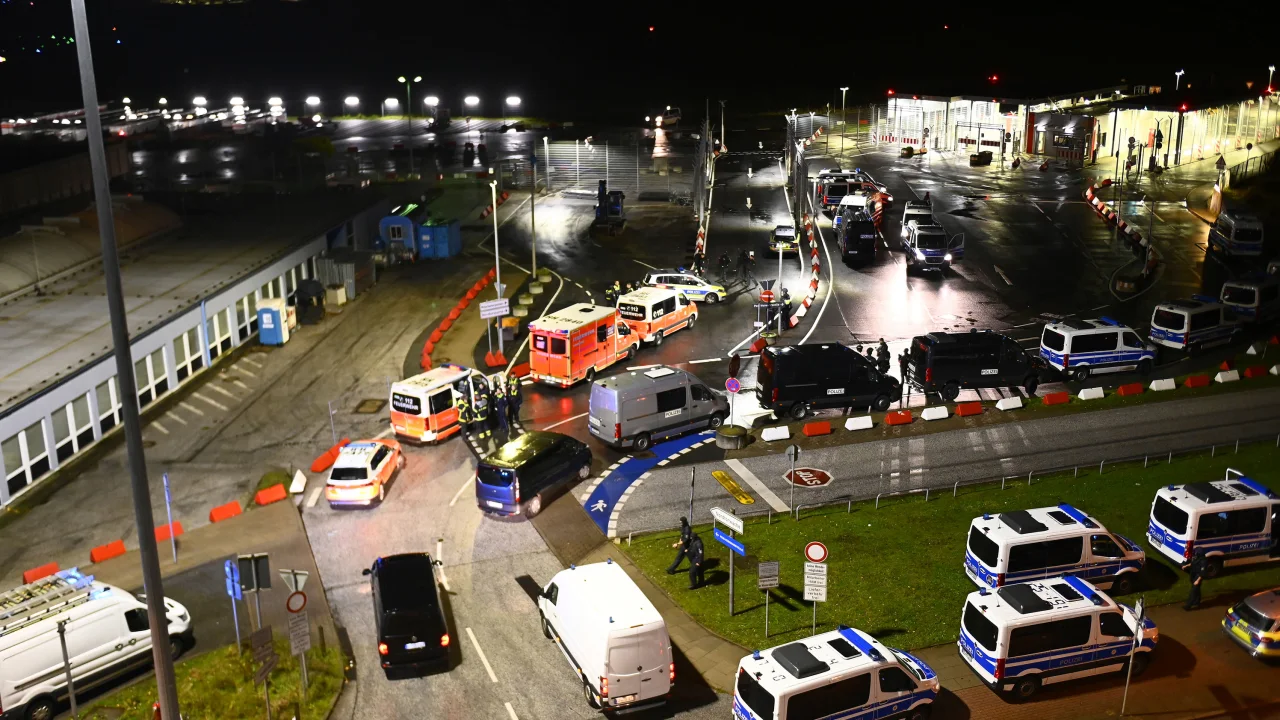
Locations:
(1081, 348)
(610, 633)
(107, 635)
(1193, 324)
(1025, 635)
(1255, 300)
(1024, 545)
(653, 313)
(1235, 521)
(844, 673)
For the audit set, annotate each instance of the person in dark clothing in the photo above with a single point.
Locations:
(785, 299)
(699, 264)
(742, 264)
(902, 366)
(882, 356)
(686, 537)
(513, 401)
(1196, 568)
(464, 415)
(724, 267)
(501, 412)
(697, 555)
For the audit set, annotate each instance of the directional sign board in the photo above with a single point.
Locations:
(734, 545)
(232, 569)
(729, 520)
(495, 308)
(767, 575)
(807, 477)
(299, 633)
(264, 652)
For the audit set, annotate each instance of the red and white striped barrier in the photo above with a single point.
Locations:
(815, 267)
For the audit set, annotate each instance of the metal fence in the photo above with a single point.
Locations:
(1251, 168)
(633, 165)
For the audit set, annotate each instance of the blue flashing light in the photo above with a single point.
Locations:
(1076, 515)
(984, 592)
(1083, 588)
(608, 561)
(755, 655)
(986, 516)
(610, 619)
(1205, 298)
(1110, 321)
(857, 170)
(1255, 486)
(573, 567)
(1172, 487)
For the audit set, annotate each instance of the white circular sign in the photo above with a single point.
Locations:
(297, 601)
(815, 552)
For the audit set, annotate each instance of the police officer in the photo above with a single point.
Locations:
(902, 366)
(742, 265)
(1196, 567)
(724, 266)
(882, 357)
(513, 400)
(751, 267)
(697, 555)
(465, 416)
(484, 405)
(686, 537)
(699, 263)
(785, 299)
(500, 411)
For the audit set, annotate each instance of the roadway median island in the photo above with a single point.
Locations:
(891, 424)
(897, 570)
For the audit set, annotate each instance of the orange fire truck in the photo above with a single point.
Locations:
(574, 343)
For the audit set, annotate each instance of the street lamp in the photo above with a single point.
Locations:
(843, 124)
(313, 101)
(164, 101)
(127, 101)
(471, 100)
(513, 101)
(1271, 70)
(352, 102)
(199, 101)
(1178, 81)
(389, 103)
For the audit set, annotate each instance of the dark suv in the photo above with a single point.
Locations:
(797, 379)
(413, 637)
(523, 475)
(944, 363)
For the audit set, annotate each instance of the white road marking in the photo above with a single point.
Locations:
(641, 367)
(214, 403)
(191, 407)
(698, 362)
(174, 416)
(644, 264)
(444, 580)
(761, 489)
(575, 282)
(465, 485)
(159, 427)
(1100, 307)
(253, 362)
(314, 497)
(1027, 339)
(1002, 275)
(241, 385)
(487, 667)
(221, 390)
(246, 372)
(525, 343)
(575, 417)
(511, 713)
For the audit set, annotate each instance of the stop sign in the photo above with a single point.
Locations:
(808, 477)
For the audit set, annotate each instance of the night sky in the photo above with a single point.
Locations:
(589, 61)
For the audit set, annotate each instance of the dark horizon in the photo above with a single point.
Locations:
(335, 48)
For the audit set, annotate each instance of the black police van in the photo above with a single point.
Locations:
(796, 379)
(856, 235)
(944, 363)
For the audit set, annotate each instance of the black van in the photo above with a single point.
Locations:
(856, 236)
(522, 475)
(413, 637)
(796, 379)
(944, 363)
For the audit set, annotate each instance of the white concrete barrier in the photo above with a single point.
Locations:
(1227, 376)
(1009, 403)
(1164, 384)
(769, 434)
(1256, 348)
(934, 413)
(858, 423)
(1275, 370)
(1093, 393)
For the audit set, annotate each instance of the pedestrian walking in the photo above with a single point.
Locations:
(1196, 568)
(751, 268)
(686, 537)
(902, 366)
(882, 357)
(742, 265)
(697, 555)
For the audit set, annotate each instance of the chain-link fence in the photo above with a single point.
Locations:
(643, 168)
(1251, 168)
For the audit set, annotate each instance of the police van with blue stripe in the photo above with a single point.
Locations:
(1236, 233)
(1080, 348)
(844, 673)
(1193, 324)
(1025, 545)
(1026, 635)
(1255, 300)
(1235, 521)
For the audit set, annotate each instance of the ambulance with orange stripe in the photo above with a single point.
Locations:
(654, 312)
(425, 407)
(575, 343)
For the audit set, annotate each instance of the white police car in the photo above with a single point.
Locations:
(691, 285)
(1232, 520)
(1193, 324)
(844, 673)
(1023, 545)
(783, 239)
(1026, 635)
(1080, 348)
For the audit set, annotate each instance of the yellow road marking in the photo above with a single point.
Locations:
(742, 496)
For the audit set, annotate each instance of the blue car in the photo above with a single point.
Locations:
(524, 474)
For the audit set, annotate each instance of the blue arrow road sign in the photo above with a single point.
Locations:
(734, 545)
(233, 579)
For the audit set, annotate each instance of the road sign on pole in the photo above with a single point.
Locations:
(300, 641)
(296, 602)
(728, 519)
(495, 308)
(232, 570)
(168, 511)
(255, 576)
(793, 453)
(815, 552)
(264, 652)
(733, 385)
(815, 582)
(295, 580)
(766, 580)
(735, 547)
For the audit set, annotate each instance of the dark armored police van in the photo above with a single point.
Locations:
(794, 380)
(944, 363)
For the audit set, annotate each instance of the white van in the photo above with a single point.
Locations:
(1256, 300)
(1236, 233)
(610, 633)
(1080, 348)
(107, 635)
(1024, 545)
(1235, 521)
(1193, 324)
(1026, 635)
(844, 673)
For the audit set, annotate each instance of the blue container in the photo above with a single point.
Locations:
(272, 325)
(447, 239)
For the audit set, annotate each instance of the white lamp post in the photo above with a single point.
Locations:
(843, 123)
(1178, 81)
(513, 101)
(352, 102)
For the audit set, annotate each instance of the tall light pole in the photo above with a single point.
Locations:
(497, 270)
(513, 101)
(166, 686)
(1271, 70)
(408, 111)
(1178, 79)
(843, 124)
(431, 101)
(389, 103)
(351, 102)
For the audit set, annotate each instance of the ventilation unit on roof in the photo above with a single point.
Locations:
(1023, 599)
(797, 660)
(1206, 492)
(1021, 522)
